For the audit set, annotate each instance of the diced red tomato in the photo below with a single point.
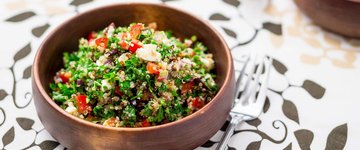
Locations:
(65, 77)
(195, 102)
(92, 36)
(187, 87)
(152, 68)
(145, 123)
(124, 45)
(201, 104)
(103, 42)
(135, 30)
(118, 92)
(82, 106)
(134, 46)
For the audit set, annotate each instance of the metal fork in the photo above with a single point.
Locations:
(248, 106)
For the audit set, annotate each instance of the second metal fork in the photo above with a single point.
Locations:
(248, 106)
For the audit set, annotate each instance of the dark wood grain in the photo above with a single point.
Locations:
(187, 133)
(340, 16)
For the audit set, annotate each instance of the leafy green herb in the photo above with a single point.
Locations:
(125, 88)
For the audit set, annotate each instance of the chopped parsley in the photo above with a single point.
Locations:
(134, 76)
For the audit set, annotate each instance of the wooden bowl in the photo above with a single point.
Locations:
(187, 133)
(340, 16)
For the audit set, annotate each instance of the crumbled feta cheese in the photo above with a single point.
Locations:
(117, 107)
(101, 60)
(121, 76)
(101, 48)
(187, 43)
(71, 108)
(92, 43)
(132, 84)
(124, 57)
(209, 80)
(148, 52)
(83, 41)
(110, 31)
(105, 85)
(113, 45)
(151, 47)
(186, 62)
(57, 79)
(91, 75)
(106, 96)
(208, 62)
(159, 36)
(72, 64)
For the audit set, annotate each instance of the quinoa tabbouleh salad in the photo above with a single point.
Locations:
(134, 76)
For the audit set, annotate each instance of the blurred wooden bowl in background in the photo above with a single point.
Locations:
(339, 16)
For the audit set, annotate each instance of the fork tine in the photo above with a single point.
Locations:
(254, 85)
(252, 67)
(241, 76)
(263, 88)
(246, 92)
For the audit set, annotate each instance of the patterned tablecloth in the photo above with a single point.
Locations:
(312, 101)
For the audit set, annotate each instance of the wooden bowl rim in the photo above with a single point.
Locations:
(206, 108)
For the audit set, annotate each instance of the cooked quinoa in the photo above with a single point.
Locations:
(134, 76)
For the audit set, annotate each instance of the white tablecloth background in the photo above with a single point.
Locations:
(313, 99)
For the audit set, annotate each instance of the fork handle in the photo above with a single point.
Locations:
(229, 131)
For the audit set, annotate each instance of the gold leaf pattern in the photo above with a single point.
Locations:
(342, 63)
(16, 5)
(332, 41)
(56, 10)
(298, 19)
(313, 42)
(314, 36)
(271, 10)
(308, 59)
(350, 56)
(311, 30)
(293, 31)
(276, 40)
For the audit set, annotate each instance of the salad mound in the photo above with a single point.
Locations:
(134, 76)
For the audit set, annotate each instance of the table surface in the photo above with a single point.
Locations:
(313, 97)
